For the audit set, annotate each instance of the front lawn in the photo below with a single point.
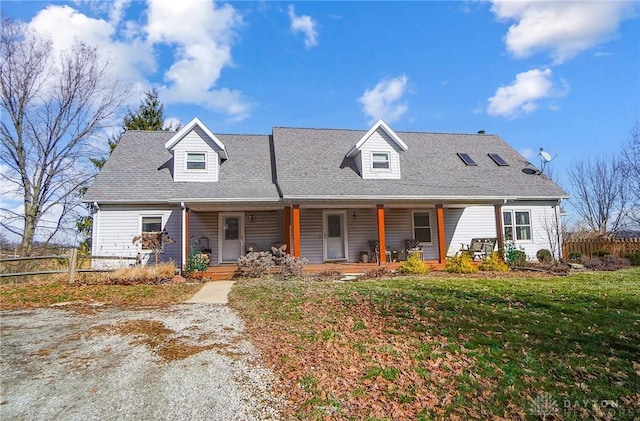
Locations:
(452, 347)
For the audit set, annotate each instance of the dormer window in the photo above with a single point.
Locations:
(381, 161)
(196, 161)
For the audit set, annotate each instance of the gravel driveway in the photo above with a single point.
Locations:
(184, 362)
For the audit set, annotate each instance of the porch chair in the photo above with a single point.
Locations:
(481, 247)
(374, 249)
(412, 246)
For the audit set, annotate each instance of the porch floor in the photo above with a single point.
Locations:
(226, 272)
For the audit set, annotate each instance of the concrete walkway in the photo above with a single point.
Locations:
(215, 292)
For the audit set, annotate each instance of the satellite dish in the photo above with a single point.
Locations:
(545, 158)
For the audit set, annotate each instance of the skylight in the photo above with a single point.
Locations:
(466, 158)
(498, 160)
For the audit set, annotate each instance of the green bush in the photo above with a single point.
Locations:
(494, 263)
(575, 256)
(197, 262)
(600, 253)
(413, 265)
(460, 263)
(544, 256)
(634, 258)
(514, 256)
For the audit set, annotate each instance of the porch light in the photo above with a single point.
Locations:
(354, 215)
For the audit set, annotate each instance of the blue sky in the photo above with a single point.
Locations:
(560, 75)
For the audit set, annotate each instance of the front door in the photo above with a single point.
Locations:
(335, 238)
(231, 237)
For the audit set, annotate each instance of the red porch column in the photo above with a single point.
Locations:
(287, 228)
(499, 230)
(381, 236)
(296, 230)
(442, 247)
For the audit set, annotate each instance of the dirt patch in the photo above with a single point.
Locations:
(181, 362)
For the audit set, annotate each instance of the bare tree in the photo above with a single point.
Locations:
(631, 159)
(600, 193)
(54, 104)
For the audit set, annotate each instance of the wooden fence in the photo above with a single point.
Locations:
(71, 260)
(620, 247)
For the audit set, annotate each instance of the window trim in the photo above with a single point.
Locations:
(430, 226)
(514, 225)
(186, 161)
(388, 161)
(142, 217)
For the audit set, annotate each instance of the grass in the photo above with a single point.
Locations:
(43, 294)
(451, 347)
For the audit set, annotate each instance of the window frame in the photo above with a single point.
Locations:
(142, 232)
(388, 161)
(515, 225)
(205, 161)
(430, 226)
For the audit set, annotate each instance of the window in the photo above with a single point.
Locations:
(466, 159)
(151, 232)
(498, 160)
(422, 226)
(196, 161)
(381, 161)
(517, 225)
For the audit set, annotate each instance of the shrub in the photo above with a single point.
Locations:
(291, 266)
(600, 253)
(414, 265)
(460, 263)
(515, 256)
(255, 264)
(494, 263)
(575, 256)
(544, 256)
(197, 262)
(139, 274)
(634, 258)
(607, 262)
(279, 254)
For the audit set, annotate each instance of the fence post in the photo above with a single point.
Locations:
(73, 261)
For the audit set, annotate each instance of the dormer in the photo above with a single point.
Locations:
(377, 153)
(197, 153)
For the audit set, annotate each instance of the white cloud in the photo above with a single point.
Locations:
(385, 99)
(202, 50)
(561, 28)
(201, 46)
(306, 25)
(525, 93)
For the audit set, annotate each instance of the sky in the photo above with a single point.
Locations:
(560, 75)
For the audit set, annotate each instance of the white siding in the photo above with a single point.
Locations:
(195, 141)
(361, 229)
(266, 229)
(205, 224)
(311, 246)
(117, 225)
(379, 142)
(542, 219)
(461, 225)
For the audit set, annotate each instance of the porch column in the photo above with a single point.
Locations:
(296, 229)
(382, 246)
(442, 247)
(287, 228)
(185, 236)
(499, 230)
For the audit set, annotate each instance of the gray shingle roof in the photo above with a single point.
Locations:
(139, 170)
(430, 167)
(311, 163)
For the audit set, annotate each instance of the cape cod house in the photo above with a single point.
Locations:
(327, 194)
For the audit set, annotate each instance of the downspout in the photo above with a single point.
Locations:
(95, 229)
(183, 259)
